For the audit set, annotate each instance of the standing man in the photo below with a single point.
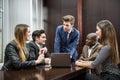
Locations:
(67, 38)
(37, 46)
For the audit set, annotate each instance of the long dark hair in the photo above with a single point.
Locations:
(20, 39)
(108, 37)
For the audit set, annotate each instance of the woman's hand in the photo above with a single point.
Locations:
(78, 62)
(86, 64)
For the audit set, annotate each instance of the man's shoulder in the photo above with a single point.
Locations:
(60, 27)
(99, 45)
(75, 30)
(85, 47)
(31, 43)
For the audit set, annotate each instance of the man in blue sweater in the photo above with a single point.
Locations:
(67, 38)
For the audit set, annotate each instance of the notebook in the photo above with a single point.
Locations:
(60, 60)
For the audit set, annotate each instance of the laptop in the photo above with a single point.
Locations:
(60, 60)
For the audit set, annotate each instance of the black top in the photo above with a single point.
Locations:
(12, 59)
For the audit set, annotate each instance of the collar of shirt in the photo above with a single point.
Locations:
(90, 49)
(93, 46)
(40, 46)
(70, 31)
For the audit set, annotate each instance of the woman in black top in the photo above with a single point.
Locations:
(16, 52)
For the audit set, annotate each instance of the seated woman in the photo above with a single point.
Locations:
(108, 56)
(16, 52)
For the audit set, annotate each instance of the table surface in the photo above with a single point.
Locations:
(43, 73)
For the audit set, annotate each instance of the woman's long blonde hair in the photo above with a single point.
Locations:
(20, 39)
(108, 37)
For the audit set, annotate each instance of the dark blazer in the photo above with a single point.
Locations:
(12, 60)
(64, 45)
(94, 54)
(34, 51)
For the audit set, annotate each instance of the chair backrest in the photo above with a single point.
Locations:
(1, 64)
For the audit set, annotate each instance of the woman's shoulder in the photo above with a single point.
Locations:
(11, 46)
(106, 47)
(12, 43)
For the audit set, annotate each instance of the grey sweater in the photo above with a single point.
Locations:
(104, 59)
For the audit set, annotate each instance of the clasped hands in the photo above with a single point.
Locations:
(79, 62)
(43, 50)
(41, 56)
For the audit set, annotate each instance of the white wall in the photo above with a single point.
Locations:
(37, 15)
(21, 11)
(15, 12)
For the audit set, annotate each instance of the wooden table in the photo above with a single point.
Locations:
(44, 73)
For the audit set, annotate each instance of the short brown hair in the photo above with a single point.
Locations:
(37, 33)
(69, 18)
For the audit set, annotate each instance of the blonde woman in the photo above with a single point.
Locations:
(16, 52)
(108, 56)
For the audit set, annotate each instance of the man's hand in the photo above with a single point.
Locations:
(40, 59)
(43, 50)
(47, 60)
